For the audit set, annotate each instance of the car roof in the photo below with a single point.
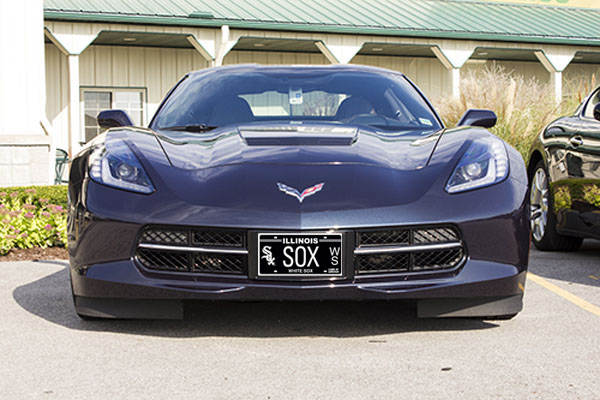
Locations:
(292, 68)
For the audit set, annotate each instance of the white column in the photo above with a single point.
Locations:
(557, 82)
(455, 77)
(453, 59)
(72, 45)
(225, 45)
(340, 49)
(556, 60)
(74, 108)
(206, 48)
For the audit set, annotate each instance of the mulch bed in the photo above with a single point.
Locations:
(37, 254)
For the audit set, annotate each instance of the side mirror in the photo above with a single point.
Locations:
(597, 112)
(113, 118)
(483, 118)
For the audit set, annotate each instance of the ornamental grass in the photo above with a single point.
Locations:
(523, 106)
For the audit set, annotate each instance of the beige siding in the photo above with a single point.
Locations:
(157, 70)
(527, 69)
(427, 73)
(581, 77)
(273, 58)
(154, 69)
(57, 94)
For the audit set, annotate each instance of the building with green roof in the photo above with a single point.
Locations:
(82, 56)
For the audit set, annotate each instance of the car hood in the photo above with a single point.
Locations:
(245, 168)
(221, 180)
(296, 145)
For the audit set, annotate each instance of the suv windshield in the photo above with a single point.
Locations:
(386, 101)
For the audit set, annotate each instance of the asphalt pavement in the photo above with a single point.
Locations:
(551, 350)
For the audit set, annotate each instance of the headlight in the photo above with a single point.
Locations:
(113, 163)
(484, 163)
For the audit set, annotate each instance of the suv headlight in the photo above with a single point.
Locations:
(484, 163)
(113, 163)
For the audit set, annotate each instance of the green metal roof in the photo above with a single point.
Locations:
(456, 19)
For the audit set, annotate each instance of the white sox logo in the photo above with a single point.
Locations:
(268, 255)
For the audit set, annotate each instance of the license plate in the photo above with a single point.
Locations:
(294, 254)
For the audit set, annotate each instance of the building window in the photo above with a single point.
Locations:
(95, 100)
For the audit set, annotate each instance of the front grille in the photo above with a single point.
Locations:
(224, 252)
(165, 236)
(409, 250)
(382, 238)
(218, 238)
(435, 235)
(218, 264)
(192, 250)
(381, 263)
(441, 259)
(163, 260)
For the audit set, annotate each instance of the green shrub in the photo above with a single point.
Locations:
(591, 195)
(568, 191)
(28, 220)
(56, 194)
(562, 198)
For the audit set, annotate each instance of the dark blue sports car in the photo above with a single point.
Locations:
(257, 183)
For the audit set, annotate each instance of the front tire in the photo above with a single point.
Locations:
(542, 217)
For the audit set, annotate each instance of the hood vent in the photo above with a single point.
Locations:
(299, 136)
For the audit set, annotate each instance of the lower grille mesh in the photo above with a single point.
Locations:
(381, 263)
(163, 260)
(164, 236)
(410, 250)
(218, 264)
(441, 259)
(435, 235)
(181, 255)
(380, 238)
(218, 238)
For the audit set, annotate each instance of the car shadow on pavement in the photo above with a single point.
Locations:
(581, 266)
(50, 298)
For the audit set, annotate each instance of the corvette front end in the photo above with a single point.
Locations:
(295, 212)
(471, 261)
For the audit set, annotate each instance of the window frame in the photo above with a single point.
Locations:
(588, 103)
(416, 94)
(110, 89)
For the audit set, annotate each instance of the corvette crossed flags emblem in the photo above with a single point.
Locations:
(309, 191)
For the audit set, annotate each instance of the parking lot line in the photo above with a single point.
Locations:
(578, 301)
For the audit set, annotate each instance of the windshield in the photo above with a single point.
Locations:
(385, 101)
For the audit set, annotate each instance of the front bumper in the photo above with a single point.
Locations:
(480, 282)
(123, 279)
(108, 281)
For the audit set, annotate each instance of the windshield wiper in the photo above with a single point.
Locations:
(190, 128)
